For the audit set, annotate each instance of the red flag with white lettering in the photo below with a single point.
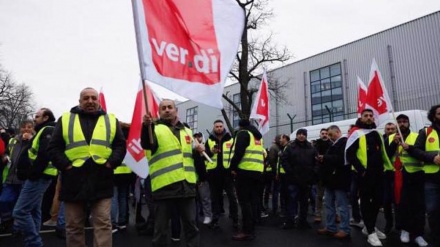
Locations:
(102, 100)
(135, 157)
(378, 99)
(187, 51)
(362, 96)
(260, 107)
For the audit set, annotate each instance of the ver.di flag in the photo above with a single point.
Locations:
(260, 108)
(102, 100)
(362, 96)
(378, 99)
(135, 157)
(188, 47)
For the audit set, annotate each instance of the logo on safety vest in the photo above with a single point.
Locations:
(187, 139)
(258, 142)
(431, 139)
(228, 145)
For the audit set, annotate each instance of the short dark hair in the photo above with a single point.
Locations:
(366, 110)
(333, 127)
(431, 113)
(285, 137)
(47, 112)
(218, 121)
(323, 129)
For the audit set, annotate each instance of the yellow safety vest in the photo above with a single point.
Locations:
(431, 146)
(122, 169)
(11, 145)
(226, 149)
(253, 158)
(361, 154)
(410, 164)
(33, 153)
(172, 162)
(99, 148)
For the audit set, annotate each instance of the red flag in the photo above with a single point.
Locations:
(362, 96)
(377, 96)
(102, 100)
(260, 107)
(135, 157)
(186, 51)
(398, 179)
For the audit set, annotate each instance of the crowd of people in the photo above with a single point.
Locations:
(69, 173)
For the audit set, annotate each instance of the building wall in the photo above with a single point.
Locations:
(408, 57)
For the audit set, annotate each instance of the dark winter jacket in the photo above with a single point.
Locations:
(181, 189)
(298, 160)
(240, 144)
(335, 174)
(20, 146)
(272, 156)
(34, 170)
(91, 181)
(375, 165)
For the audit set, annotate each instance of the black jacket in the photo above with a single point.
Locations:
(298, 160)
(35, 171)
(240, 144)
(335, 174)
(90, 182)
(180, 189)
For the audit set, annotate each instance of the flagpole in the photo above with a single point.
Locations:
(141, 63)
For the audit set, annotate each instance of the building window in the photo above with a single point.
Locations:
(326, 94)
(191, 118)
(235, 116)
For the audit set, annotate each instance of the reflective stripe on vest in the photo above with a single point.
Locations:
(122, 169)
(33, 153)
(226, 151)
(99, 149)
(431, 146)
(253, 158)
(409, 163)
(361, 154)
(172, 162)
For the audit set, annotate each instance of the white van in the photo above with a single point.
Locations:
(418, 119)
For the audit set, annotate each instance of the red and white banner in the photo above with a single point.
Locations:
(102, 100)
(260, 107)
(188, 47)
(362, 96)
(378, 99)
(135, 157)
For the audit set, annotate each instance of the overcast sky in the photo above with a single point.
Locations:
(60, 47)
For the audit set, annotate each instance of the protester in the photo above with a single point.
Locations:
(203, 187)
(409, 182)
(298, 161)
(172, 172)
(86, 146)
(272, 161)
(218, 147)
(388, 201)
(335, 176)
(36, 169)
(247, 165)
(427, 149)
(366, 153)
(12, 185)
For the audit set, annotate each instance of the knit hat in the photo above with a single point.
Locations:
(302, 131)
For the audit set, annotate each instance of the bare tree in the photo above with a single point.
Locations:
(256, 52)
(15, 101)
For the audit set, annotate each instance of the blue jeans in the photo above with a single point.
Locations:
(8, 198)
(61, 220)
(27, 211)
(297, 196)
(432, 199)
(340, 198)
(120, 205)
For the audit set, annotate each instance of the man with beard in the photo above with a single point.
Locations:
(427, 149)
(409, 182)
(172, 172)
(218, 147)
(298, 160)
(366, 153)
(247, 164)
(35, 168)
(86, 146)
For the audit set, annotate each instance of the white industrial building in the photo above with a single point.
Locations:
(322, 88)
